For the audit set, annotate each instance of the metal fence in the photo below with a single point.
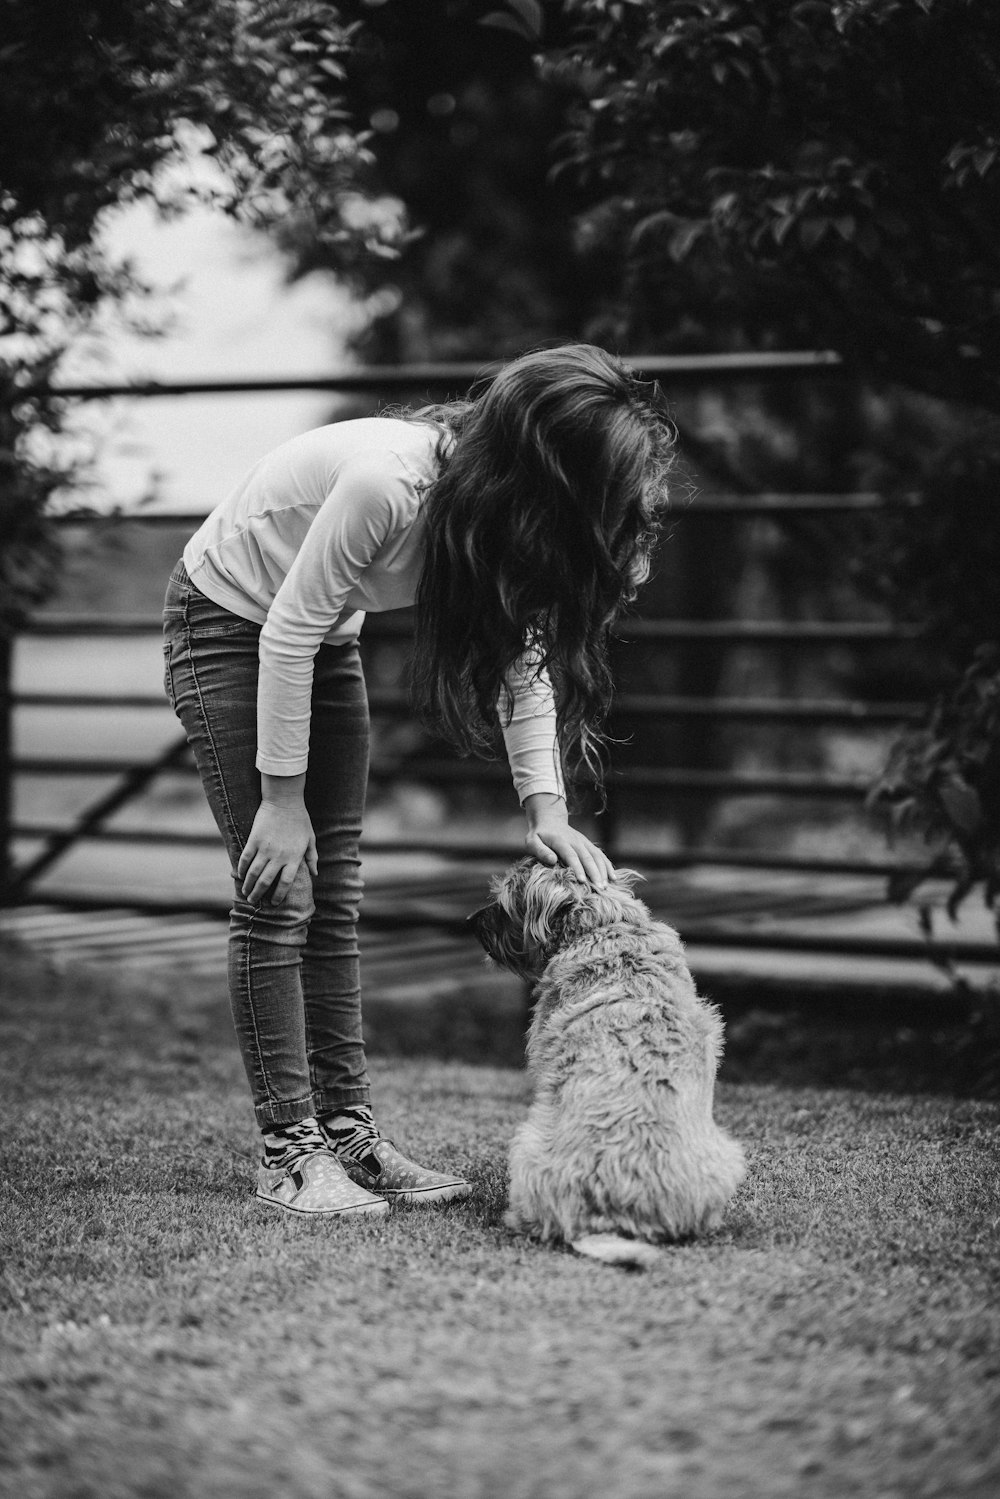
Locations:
(407, 382)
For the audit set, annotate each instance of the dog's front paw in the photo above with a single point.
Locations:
(517, 1222)
(513, 1221)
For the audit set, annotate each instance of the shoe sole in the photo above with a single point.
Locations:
(370, 1209)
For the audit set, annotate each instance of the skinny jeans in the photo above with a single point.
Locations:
(294, 968)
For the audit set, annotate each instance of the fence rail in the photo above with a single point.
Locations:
(661, 631)
(707, 857)
(394, 701)
(629, 707)
(449, 773)
(671, 369)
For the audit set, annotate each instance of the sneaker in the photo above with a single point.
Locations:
(315, 1182)
(385, 1171)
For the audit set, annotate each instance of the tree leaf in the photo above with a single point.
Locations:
(531, 14)
(781, 227)
(811, 231)
(685, 238)
(501, 21)
(652, 224)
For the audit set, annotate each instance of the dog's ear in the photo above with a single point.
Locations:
(548, 897)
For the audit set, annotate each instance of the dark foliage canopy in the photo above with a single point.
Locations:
(798, 172)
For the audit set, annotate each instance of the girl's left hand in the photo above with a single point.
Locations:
(552, 840)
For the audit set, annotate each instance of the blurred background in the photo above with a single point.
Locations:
(223, 222)
(784, 212)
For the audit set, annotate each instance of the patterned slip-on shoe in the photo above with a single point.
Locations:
(315, 1183)
(391, 1175)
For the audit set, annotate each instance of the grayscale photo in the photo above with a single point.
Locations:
(500, 749)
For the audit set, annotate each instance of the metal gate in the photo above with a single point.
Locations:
(626, 782)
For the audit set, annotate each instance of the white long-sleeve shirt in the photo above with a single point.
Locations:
(326, 528)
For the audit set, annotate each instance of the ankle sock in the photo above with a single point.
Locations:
(350, 1130)
(285, 1143)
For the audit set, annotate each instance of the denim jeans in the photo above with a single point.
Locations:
(294, 973)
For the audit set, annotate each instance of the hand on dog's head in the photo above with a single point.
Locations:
(536, 909)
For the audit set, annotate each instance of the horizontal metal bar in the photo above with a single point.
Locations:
(464, 772)
(87, 519)
(689, 782)
(645, 858)
(704, 783)
(714, 631)
(750, 859)
(746, 507)
(172, 839)
(668, 368)
(73, 900)
(752, 505)
(447, 771)
(762, 710)
(644, 778)
(393, 700)
(93, 624)
(168, 838)
(90, 700)
(80, 765)
(628, 705)
(767, 632)
(733, 783)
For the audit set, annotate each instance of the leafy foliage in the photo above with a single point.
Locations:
(942, 779)
(943, 782)
(941, 562)
(29, 546)
(462, 129)
(826, 174)
(96, 97)
(99, 100)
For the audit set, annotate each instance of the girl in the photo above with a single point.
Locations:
(518, 522)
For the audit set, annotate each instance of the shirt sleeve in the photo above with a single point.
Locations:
(361, 512)
(530, 734)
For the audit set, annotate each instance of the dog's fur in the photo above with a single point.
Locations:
(619, 1150)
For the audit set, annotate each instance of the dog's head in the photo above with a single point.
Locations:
(535, 910)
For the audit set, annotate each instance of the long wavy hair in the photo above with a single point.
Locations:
(539, 528)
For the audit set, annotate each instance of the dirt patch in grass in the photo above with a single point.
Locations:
(164, 1336)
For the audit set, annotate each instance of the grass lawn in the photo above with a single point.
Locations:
(162, 1335)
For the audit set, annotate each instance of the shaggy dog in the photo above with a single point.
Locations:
(619, 1151)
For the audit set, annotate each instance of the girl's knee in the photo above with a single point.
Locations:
(299, 904)
(288, 921)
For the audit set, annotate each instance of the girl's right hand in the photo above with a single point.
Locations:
(281, 837)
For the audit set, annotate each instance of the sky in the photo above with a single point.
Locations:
(232, 315)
